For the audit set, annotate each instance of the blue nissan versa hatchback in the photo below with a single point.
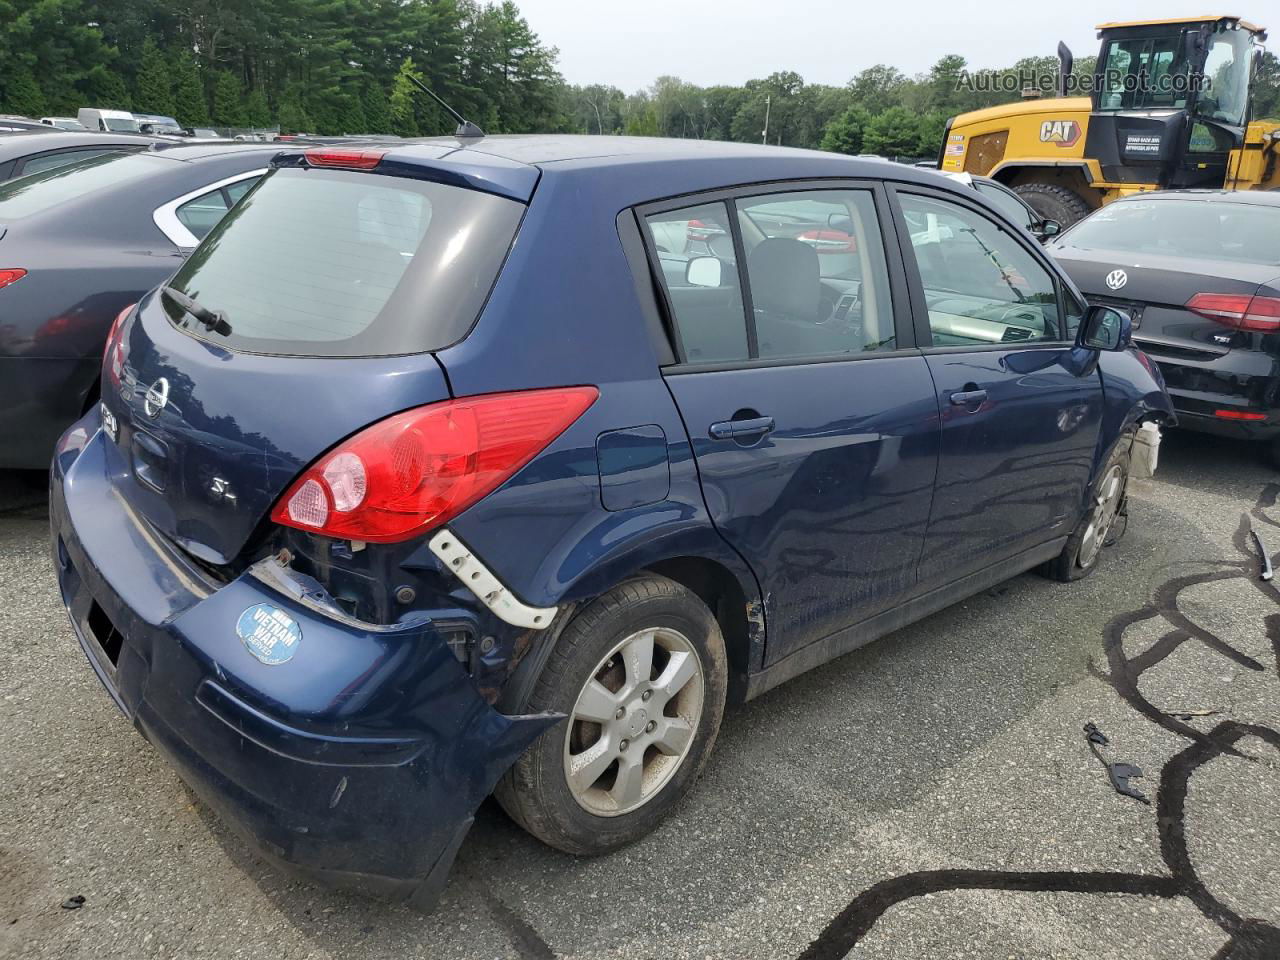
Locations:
(498, 465)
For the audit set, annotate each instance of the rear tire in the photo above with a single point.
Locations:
(1080, 555)
(1054, 202)
(647, 661)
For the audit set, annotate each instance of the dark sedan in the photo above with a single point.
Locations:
(77, 245)
(28, 152)
(1200, 273)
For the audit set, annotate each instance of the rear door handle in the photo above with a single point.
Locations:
(967, 397)
(736, 429)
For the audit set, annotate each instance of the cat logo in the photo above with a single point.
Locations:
(1062, 133)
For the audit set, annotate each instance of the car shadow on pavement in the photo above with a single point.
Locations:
(24, 493)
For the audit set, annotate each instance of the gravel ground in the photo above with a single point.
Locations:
(931, 795)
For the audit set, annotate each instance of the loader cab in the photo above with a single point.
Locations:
(1170, 100)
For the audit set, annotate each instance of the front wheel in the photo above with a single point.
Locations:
(1079, 557)
(641, 675)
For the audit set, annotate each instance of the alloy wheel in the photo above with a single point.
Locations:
(1107, 507)
(634, 722)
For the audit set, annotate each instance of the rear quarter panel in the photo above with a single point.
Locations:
(565, 311)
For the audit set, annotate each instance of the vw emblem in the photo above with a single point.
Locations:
(1117, 279)
(156, 397)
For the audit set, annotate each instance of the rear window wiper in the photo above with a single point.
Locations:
(215, 321)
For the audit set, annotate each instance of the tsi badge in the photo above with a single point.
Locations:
(269, 633)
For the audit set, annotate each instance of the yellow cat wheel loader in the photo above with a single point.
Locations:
(1168, 106)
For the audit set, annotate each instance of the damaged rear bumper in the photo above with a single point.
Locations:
(358, 761)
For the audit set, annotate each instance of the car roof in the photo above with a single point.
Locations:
(27, 142)
(1267, 198)
(172, 150)
(638, 168)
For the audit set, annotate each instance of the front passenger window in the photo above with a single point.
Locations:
(981, 286)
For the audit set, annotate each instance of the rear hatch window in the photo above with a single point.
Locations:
(332, 263)
(42, 191)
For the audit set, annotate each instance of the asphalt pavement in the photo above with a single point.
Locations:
(932, 795)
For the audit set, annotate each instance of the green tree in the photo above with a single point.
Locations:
(228, 103)
(403, 101)
(844, 134)
(1266, 88)
(351, 118)
(20, 94)
(895, 132)
(189, 105)
(377, 111)
(153, 91)
(930, 129)
(105, 89)
(643, 123)
(293, 113)
(256, 109)
(878, 88)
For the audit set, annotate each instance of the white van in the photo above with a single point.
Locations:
(117, 121)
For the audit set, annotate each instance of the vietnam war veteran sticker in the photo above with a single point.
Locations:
(269, 633)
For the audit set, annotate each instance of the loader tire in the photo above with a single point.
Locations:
(1054, 202)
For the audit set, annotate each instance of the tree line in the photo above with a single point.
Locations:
(319, 66)
(345, 66)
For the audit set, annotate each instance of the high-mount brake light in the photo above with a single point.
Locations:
(419, 469)
(113, 354)
(345, 159)
(1240, 311)
(11, 275)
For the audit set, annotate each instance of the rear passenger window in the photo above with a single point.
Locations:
(51, 161)
(980, 284)
(695, 250)
(817, 275)
(239, 189)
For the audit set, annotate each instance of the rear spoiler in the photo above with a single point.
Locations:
(467, 169)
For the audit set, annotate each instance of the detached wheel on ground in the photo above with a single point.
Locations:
(1054, 202)
(1080, 556)
(641, 674)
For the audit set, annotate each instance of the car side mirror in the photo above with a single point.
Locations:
(840, 221)
(1106, 328)
(1047, 228)
(702, 272)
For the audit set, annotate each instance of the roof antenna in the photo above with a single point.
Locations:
(466, 129)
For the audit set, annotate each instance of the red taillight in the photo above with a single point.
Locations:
(349, 159)
(1238, 311)
(113, 353)
(1238, 415)
(421, 468)
(12, 275)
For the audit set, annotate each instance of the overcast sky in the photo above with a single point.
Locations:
(629, 43)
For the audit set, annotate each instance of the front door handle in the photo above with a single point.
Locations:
(737, 429)
(967, 398)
